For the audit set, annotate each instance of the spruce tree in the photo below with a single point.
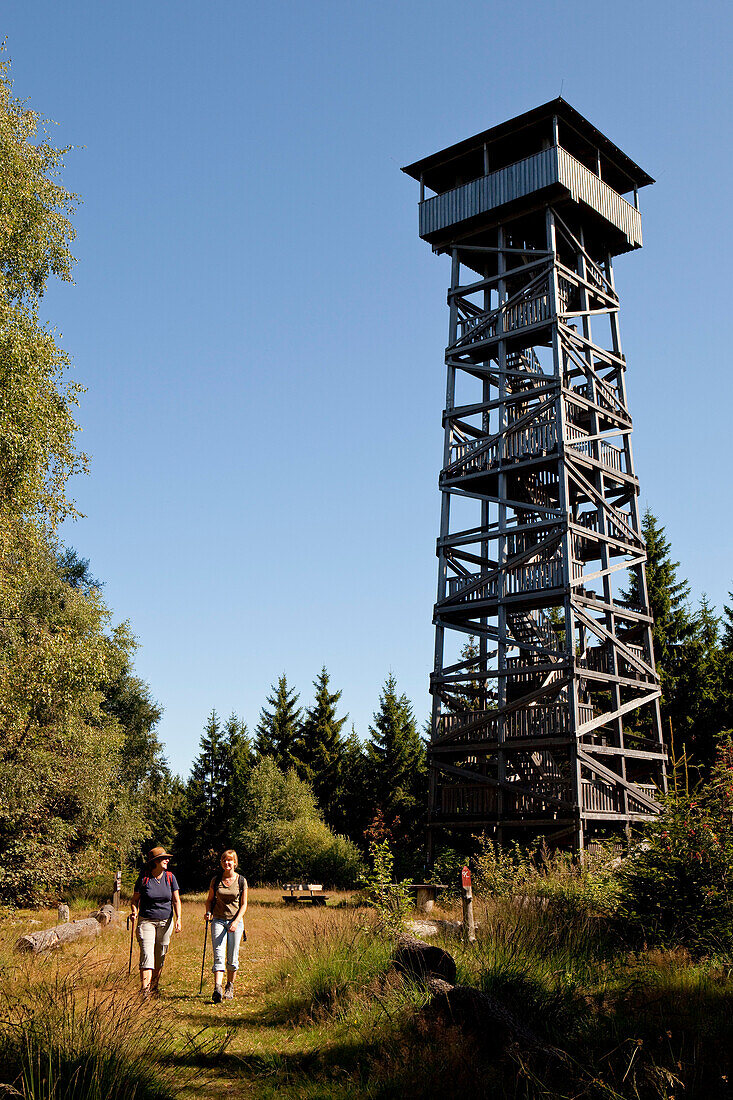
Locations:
(668, 596)
(694, 704)
(397, 769)
(205, 826)
(351, 808)
(320, 747)
(239, 763)
(278, 730)
(726, 640)
(687, 650)
(726, 669)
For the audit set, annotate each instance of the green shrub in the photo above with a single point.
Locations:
(591, 886)
(308, 851)
(283, 837)
(677, 886)
(390, 899)
(447, 867)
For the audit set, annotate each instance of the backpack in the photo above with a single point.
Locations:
(168, 878)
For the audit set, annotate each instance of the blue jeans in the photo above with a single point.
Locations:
(226, 936)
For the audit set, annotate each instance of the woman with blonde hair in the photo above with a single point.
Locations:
(226, 904)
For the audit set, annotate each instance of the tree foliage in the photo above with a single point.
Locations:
(678, 885)
(668, 600)
(278, 730)
(37, 426)
(60, 750)
(63, 809)
(215, 791)
(320, 748)
(694, 671)
(398, 768)
(284, 836)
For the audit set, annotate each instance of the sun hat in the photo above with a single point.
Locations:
(158, 853)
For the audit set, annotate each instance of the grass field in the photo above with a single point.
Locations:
(190, 1024)
(318, 1016)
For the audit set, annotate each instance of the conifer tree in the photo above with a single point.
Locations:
(694, 704)
(349, 809)
(218, 780)
(687, 650)
(397, 768)
(726, 640)
(278, 730)
(726, 669)
(320, 747)
(239, 763)
(668, 596)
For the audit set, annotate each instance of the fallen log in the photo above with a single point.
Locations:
(52, 938)
(433, 926)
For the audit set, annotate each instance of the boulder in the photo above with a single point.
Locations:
(421, 961)
(481, 1015)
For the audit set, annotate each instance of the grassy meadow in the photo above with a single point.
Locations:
(318, 1014)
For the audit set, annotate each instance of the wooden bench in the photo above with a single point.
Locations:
(311, 894)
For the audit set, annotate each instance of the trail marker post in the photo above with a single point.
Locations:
(467, 899)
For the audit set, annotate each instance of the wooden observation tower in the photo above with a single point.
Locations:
(545, 695)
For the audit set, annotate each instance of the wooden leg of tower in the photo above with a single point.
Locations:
(502, 797)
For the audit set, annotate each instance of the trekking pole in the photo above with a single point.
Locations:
(132, 917)
(203, 961)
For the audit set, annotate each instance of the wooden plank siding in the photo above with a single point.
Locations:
(550, 167)
(585, 186)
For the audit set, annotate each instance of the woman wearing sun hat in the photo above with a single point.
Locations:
(155, 901)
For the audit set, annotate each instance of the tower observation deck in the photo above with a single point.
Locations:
(545, 694)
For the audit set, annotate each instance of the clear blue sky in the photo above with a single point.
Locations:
(261, 330)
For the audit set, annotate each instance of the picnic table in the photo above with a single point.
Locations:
(311, 893)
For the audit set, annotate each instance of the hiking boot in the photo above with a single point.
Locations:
(229, 991)
(216, 996)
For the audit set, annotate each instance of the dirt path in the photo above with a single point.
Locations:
(222, 1049)
(257, 1056)
(250, 1043)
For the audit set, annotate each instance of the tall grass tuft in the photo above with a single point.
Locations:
(329, 962)
(58, 1042)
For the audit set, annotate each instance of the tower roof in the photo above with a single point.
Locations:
(518, 138)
